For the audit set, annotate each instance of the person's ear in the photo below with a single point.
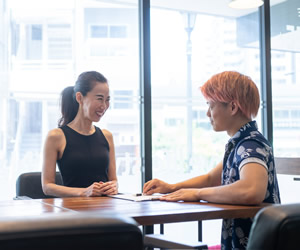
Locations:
(234, 107)
(78, 96)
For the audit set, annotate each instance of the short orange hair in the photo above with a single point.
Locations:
(232, 86)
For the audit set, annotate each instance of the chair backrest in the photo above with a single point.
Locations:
(276, 227)
(287, 165)
(70, 230)
(30, 185)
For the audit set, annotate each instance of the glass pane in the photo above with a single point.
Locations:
(99, 31)
(188, 47)
(285, 34)
(42, 50)
(118, 31)
(191, 41)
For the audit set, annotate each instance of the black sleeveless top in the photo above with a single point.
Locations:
(85, 159)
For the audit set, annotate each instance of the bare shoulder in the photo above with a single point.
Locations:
(106, 132)
(108, 135)
(55, 135)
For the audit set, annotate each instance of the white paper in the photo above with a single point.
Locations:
(136, 197)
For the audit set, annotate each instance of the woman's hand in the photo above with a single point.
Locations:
(109, 188)
(101, 188)
(157, 186)
(182, 195)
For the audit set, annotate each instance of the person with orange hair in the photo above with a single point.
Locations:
(247, 173)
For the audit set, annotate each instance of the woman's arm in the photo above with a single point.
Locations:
(53, 149)
(250, 189)
(111, 187)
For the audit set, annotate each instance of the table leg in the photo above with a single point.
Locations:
(199, 230)
(161, 228)
(148, 229)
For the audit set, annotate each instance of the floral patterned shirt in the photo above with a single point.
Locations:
(247, 145)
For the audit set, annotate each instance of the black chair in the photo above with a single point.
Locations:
(276, 227)
(70, 230)
(29, 185)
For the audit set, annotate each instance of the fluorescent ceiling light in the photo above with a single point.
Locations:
(245, 4)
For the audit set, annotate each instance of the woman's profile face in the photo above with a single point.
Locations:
(96, 102)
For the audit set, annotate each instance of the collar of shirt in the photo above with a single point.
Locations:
(243, 132)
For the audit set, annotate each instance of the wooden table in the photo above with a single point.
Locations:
(155, 212)
(21, 208)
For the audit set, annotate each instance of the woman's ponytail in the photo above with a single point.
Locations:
(69, 106)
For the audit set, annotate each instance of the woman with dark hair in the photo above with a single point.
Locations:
(247, 173)
(84, 153)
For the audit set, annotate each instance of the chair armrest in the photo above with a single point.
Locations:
(165, 241)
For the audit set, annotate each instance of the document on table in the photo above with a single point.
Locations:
(136, 197)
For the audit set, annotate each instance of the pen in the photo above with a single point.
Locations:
(138, 194)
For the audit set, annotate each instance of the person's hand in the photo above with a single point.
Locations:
(101, 188)
(156, 186)
(182, 195)
(109, 188)
(92, 190)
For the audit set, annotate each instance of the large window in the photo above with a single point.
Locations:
(285, 33)
(188, 47)
(285, 62)
(191, 41)
(44, 46)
